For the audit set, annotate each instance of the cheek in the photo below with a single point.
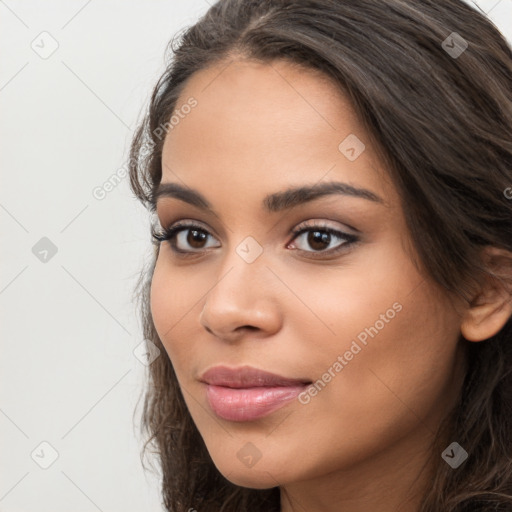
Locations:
(397, 339)
(386, 314)
(172, 304)
(397, 381)
(394, 329)
(161, 300)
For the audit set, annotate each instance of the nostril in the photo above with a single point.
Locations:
(247, 327)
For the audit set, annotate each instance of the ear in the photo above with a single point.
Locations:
(491, 307)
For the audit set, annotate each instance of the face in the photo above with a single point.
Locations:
(319, 289)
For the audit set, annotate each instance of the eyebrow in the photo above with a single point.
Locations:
(275, 202)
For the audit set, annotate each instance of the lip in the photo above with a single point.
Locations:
(246, 393)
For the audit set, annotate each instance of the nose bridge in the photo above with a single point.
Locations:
(241, 295)
(243, 273)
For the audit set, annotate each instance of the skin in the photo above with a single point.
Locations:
(361, 442)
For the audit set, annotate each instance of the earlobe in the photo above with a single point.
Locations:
(491, 308)
(482, 322)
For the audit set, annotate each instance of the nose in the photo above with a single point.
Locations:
(242, 301)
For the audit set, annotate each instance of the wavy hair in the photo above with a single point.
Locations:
(442, 123)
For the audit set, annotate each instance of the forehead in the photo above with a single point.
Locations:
(259, 127)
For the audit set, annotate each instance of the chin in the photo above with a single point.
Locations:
(252, 478)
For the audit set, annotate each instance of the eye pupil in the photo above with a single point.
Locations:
(194, 236)
(321, 237)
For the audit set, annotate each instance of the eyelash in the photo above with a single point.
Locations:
(169, 234)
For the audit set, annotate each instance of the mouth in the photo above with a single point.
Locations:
(247, 393)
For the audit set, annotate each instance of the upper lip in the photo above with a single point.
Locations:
(247, 377)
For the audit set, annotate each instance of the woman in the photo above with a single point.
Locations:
(331, 283)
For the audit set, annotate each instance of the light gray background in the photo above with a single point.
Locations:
(69, 328)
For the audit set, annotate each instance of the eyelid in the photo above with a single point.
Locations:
(186, 222)
(322, 224)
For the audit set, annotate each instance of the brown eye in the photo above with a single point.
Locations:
(183, 238)
(189, 239)
(320, 238)
(195, 238)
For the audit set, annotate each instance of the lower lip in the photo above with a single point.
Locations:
(249, 404)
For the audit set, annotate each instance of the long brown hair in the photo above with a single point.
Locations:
(442, 123)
